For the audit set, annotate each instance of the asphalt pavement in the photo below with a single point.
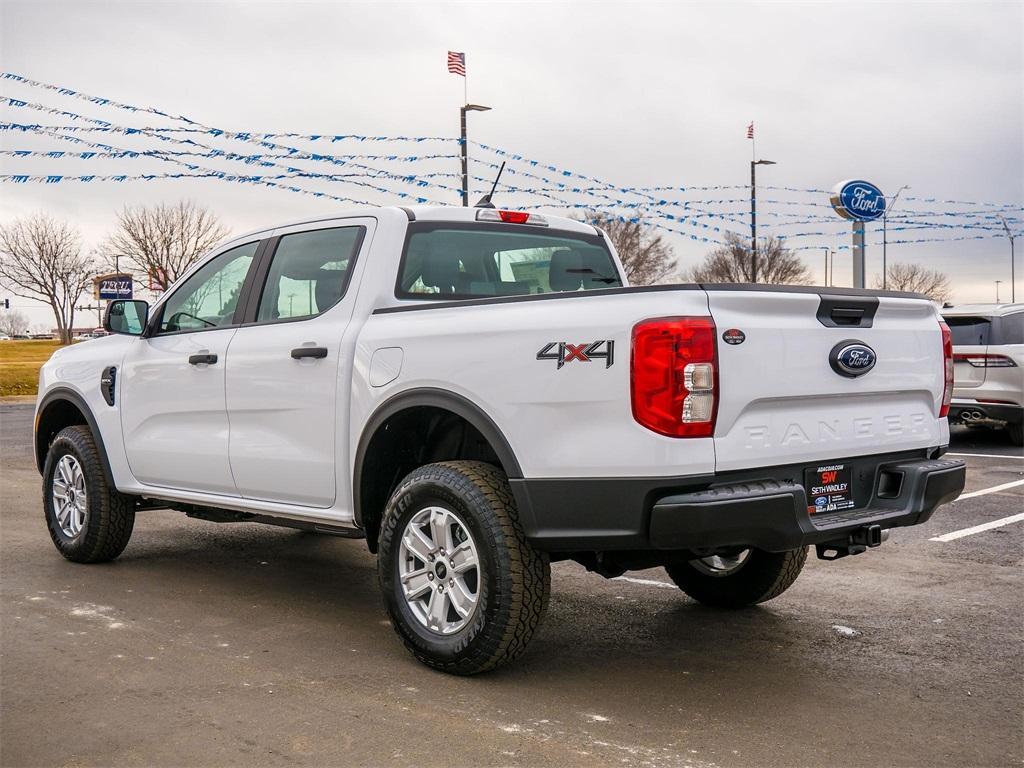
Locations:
(225, 644)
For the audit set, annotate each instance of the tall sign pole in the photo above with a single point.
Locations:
(860, 202)
(753, 222)
(858, 253)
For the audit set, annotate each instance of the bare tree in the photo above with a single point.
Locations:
(917, 279)
(645, 256)
(41, 259)
(730, 263)
(13, 323)
(160, 243)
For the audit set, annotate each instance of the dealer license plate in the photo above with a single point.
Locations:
(829, 488)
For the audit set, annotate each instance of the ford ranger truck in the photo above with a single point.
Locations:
(478, 393)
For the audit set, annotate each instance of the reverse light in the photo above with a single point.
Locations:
(947, 360)
(674, 376)
(511, 217)
(979, 360)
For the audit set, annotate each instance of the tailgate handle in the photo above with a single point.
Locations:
(846, 311)
(847, 316)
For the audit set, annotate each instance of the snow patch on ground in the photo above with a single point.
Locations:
(846, 631)
(92, 612)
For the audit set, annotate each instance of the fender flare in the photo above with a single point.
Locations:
(70, 396)
(435, 398)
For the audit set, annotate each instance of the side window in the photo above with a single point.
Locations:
(309, 273)
(209, 297)
(1011, 330)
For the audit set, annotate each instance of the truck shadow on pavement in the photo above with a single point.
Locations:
(257, 579)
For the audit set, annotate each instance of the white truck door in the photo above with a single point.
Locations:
(284, 379)
(173, 417)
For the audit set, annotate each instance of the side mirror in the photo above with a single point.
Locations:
(126, 316)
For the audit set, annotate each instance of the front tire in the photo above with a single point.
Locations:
(463, 587)
(739, 580)
(88, 520)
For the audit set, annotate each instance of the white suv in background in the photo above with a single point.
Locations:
(988, 366)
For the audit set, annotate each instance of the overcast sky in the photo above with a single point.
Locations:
(925, 94)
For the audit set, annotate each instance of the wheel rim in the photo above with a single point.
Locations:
(721, 565)
(439, 570)
(70, 500)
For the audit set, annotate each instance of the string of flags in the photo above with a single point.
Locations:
(190, 147)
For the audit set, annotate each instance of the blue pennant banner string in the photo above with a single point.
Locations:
(210, 154)
(604, 196)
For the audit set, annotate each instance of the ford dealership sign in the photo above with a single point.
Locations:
(858, 200)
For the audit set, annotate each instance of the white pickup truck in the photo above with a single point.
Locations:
(477, 392)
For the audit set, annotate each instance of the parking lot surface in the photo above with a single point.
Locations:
(216, 644)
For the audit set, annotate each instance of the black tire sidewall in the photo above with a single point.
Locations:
(64, 444)
(761, 577)
(411, 498)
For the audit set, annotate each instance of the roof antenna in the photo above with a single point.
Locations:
(485, 201)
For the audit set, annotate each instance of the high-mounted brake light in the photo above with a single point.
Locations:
(947, 360)
(511, 217)
(674, 376)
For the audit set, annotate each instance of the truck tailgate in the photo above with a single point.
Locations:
(781, 401)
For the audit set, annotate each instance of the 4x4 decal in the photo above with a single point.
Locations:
(584, 352)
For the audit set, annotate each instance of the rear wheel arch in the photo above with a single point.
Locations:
(414, 428)
(62, 408)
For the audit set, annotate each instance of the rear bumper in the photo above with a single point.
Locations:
(973, 412)
(766, 509)
(774, 516)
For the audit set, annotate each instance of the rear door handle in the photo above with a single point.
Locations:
(317, 352)
(202, 359)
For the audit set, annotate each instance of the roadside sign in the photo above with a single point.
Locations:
(114, 286)
(858, 200)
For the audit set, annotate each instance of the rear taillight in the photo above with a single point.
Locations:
(978, 360)
(674, 376)
(947, 358)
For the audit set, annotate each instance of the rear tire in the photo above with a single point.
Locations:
(1016, 434)
(761, 576)
(486, 612)
(88, 520)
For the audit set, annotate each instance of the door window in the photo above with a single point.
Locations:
(208, 298)
(309, 273)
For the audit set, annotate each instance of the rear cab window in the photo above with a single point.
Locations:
(451, 261)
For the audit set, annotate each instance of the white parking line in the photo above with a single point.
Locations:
(979, 528)
(986, 491)
(648, 582)
(954, 535)
(987, 456)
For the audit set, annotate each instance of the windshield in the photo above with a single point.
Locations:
(454, 261)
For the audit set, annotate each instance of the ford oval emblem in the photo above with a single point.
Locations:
(858, 200)
(851, 358)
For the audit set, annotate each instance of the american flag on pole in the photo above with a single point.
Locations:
(750, 130)
(457, 63)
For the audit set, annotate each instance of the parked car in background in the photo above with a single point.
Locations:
(988, 366)
(4, 337)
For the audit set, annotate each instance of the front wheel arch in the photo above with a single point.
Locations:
(62, 407)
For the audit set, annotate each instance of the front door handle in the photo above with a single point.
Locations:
(202, 359)
(316, 352)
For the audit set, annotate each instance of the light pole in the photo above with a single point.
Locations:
(465, 148)
(885, 216)
(753, 216)
(827, 250)
(997, 290)
(1013, 277)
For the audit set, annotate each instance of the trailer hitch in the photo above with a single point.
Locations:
(860, 540)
